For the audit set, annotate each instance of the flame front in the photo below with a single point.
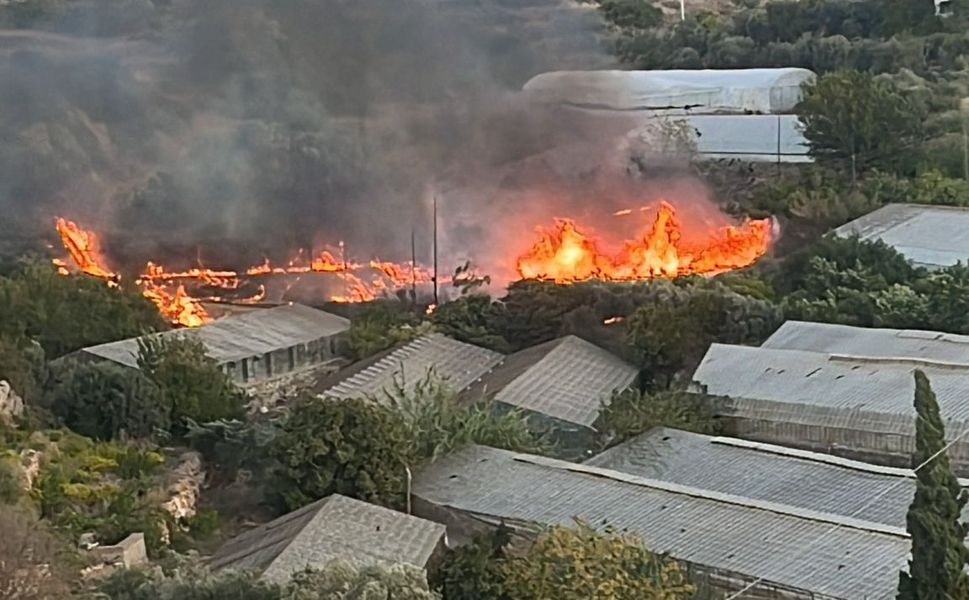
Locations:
(565, 255)
(82, 246)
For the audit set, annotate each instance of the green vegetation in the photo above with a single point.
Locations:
(193, 385)
(64, 314)
(106, 401)
(363, 447)
(339, 580)
(939, 554)
(632, 412)
(563, 562)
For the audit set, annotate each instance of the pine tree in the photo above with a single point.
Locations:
(939, 554)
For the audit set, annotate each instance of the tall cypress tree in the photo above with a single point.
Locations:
(939, 554)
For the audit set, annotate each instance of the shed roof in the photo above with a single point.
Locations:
(328, 529)
(870, 341)
(863, 393)
(704, 90)
(930, 236)
(566, 379)
(848, 558)
(458, 363)
(234, 338)
(798, 478)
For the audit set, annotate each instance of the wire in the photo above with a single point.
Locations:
(871, 501)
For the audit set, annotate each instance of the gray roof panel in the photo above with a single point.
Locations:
(242, 336)
(872, 342)
(825, 554)
(566, 379)
(458, 363)
(865, 393)
(932, 236)
(796, 478)
(335, 527)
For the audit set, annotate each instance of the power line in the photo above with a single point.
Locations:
(867, 504)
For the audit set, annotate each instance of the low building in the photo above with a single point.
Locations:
(251, 347)
(561, 384)
(726, 542)
(928, 236)
(798, 478)
(855, 406)
(459, 364)
(335, 527)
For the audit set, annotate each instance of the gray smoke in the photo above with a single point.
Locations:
(237, 128)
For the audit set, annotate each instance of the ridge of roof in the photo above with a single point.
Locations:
(678, 489)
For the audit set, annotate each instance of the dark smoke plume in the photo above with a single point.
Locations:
(240, 128)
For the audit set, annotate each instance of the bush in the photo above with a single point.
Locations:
(106, 401)
(352, 447)
(631, 413)
(192, 384)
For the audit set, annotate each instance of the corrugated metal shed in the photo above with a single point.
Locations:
(814, 388)
(235, 338)
(566, 379)
(458, 363)
(808, 480)
(930, 236)
(870, 341)
(335, 527)
(822, 554)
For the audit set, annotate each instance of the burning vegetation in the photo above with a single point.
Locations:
(564, 254)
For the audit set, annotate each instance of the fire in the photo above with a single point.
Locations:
(82, 246)
(179, 308)
(357, 291)
(564, 254)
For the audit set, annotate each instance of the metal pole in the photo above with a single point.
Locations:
(683, 10)
(343, 257)
(435, 250)
(778, 144)
(413, 268)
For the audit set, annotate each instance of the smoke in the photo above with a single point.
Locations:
(233, 129)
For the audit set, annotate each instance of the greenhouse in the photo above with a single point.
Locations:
(705, 91)
(855, 406)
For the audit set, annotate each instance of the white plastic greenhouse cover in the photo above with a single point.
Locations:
(707, 91)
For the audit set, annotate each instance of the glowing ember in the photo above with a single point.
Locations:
(613, 320)
(565, 255)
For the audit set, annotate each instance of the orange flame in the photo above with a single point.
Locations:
(82, 246)
(566, 255)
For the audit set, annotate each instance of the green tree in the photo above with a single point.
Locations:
(106, 401)
(354, 447)
(470, 319)
(853, 117)
(631, 412)
(344, 580)
(22, 366)
(581, 563)
(473, 571)
(937, 569)
(191, 381)
(639, 14)
(382, 325)
(186, 583)
(64, 314)
(439, 424)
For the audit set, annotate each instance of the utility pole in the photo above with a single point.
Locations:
(343, 257)
(683, 10)
(964, 117)
(435, 251)
(413, 268)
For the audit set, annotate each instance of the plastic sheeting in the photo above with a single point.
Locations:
(707, 91)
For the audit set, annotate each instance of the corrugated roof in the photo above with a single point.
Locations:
(823, 554)
(234, 338)
(460, 364)
(932, 236)
(869, 341)
(331, 528)
(864, 393)
(798, 478)
(567, 379)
